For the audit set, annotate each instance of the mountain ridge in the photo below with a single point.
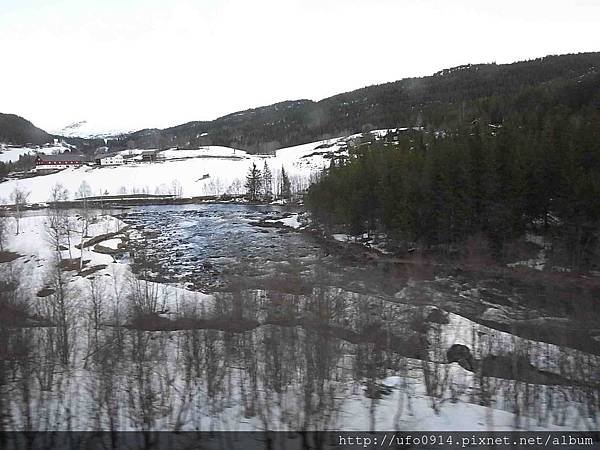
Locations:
(415, 101)
(431, 101)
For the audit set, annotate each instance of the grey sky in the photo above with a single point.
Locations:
(138, 63)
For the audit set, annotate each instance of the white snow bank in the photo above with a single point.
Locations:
(111, 243)
(33, 242)
(292, 221)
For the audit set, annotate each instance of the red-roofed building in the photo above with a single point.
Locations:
(57, 162)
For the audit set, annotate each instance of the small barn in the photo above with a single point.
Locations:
(149, 155)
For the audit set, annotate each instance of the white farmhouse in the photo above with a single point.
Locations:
(114, 159)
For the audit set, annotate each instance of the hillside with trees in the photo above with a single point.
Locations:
(446, 99)
(19, 131)
(518, 163)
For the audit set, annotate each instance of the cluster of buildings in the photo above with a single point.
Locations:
(51, 163)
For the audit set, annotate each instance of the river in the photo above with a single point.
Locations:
(304, 334)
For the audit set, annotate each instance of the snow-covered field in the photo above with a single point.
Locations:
(11, 154)
(210, 170)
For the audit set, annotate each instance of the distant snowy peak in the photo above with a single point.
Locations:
(85, 129)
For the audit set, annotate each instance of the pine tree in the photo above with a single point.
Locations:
(267, 182)
(253, 183)
(286, 187)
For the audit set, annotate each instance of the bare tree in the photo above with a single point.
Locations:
(145, 297)
(3, 229)
(19, 198)
(235, 188)
(59, 230)
(60, 308)
(176, 188)
(96, 312)
(214, 186)
(83, 193)
(58, 303)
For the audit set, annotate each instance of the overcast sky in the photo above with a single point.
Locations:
(145, 63)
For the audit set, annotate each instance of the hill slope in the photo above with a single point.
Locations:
(445, 99)
(16, 130)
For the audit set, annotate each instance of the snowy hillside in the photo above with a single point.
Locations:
(12, 153)
(211, 170)
(89, 129)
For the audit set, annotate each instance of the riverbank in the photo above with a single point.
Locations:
(289, 316)
(554, 306)
(128, 201)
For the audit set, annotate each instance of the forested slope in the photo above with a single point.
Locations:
(16, 130)
(531, 165)
(444, 100)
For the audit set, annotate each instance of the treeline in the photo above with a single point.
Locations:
(259, 184)
(535, 168)
(25, 162)
(443, 100)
